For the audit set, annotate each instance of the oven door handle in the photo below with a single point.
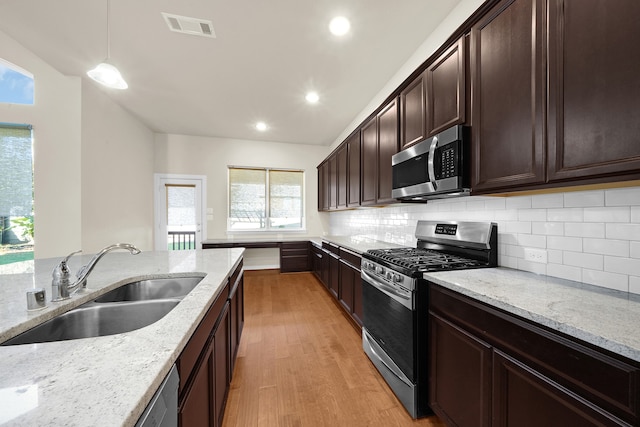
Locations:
(403, 298)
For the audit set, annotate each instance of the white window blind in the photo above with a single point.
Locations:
(265, 199)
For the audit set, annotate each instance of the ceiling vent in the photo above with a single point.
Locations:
(186, 25)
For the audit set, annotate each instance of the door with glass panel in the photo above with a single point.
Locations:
(179, 206)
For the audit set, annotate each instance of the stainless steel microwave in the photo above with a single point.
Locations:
(437, 167)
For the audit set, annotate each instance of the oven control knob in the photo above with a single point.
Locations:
(397, 278)
(380, 270)
(389, 275)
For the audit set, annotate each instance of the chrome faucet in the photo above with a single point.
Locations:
(62, 288)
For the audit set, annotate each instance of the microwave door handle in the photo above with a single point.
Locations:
(431, 162)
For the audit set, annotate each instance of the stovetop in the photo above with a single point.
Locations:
(414, 261)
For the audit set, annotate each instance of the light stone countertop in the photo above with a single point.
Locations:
(103, 381)
(357, 243)
(606, 318)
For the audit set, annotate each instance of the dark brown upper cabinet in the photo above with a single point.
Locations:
(333, 182)
(353, 181)
(508, 94)
(379, 144)
(369, 154)
(387, 147)
(341, 172)
(323, 186)
(594, 89)
(446, 80)
(413, 115)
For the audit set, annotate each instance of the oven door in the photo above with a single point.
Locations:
(389, 319)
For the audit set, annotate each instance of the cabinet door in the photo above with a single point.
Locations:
(334, 275)
(459, 375)
(413, 116)
(508, 93)
(342, 185)
(221, 365)
(594, 89)
(525, 398)
(196, 409)
(353, 182)
(325, 268)
(323, 186)
(369, 156)
(387, 147)
(333, 182)
(347, 278)
(236, 316)
(446, 90)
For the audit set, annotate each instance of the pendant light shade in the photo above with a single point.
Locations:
(106, 73)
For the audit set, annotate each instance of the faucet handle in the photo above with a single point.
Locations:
(61, 272)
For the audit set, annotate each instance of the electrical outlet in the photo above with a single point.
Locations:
(535, 255)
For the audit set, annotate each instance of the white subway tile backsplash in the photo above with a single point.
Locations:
(620, 265)
(564, 272)
(519, 202)
(564, 243)
(581, 199)
(548, 228)
(570, 214)
(580, 259)
(623, 231)
(615, 281)
(623, 196)
(589, 236)
(555, 200)
(634, 284)
(634, 250)
(532, 214)
(607, 214)
(582, 229)
(532, 241)
(606, 247)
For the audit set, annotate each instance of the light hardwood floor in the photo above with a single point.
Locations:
(300, 362)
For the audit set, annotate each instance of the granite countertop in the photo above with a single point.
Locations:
(103, 381)
(357, 243)
(606, 318)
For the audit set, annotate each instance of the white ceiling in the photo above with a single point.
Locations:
(267, 54)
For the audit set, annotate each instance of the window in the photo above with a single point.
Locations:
(262, 199)
(16, 84)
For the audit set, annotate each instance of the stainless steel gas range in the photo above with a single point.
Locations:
(395, 300)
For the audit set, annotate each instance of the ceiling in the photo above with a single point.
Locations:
(265, 57)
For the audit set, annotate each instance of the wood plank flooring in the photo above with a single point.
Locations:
(300, 362)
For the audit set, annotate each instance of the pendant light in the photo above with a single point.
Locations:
(106, 73)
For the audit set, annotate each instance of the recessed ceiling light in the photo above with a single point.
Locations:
(312, 97)
(339, 26)
(261, 126)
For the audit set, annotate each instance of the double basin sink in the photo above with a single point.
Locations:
(129, 307)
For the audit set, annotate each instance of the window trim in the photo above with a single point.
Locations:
(268, 229)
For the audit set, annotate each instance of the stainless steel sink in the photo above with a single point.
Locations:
(95, 320)
(152, 289)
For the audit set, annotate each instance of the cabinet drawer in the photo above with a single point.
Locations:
(199, 340)
(598, 376)
(331, 247)
(350, 258)
(295, 245)
(234, 276)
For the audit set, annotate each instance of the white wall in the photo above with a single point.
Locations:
(588, 236)
(56, 117)
(117, 174)
(180, 154)
(93, 162)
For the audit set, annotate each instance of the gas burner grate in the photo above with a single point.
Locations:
(422, 260)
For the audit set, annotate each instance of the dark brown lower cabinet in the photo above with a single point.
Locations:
(350, 295)
(460, 386)
(316, 261)
(491, 368)
(334, 274)
(205, 365)
(294, 256)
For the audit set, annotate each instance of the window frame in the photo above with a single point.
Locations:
(268, 228)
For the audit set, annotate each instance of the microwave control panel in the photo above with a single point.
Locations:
(448, 161)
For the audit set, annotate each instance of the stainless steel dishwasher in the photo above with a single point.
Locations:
(162, 411)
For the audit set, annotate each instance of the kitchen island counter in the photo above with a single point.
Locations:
(109, 380)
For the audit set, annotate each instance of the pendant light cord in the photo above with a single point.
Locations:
(108, 30)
